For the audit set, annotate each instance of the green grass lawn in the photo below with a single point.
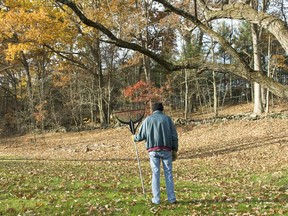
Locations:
(43, 187)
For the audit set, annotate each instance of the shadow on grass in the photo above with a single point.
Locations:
(237, 146)
(195, 152)
(3, 158)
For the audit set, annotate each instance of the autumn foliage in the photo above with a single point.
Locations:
(146, 91)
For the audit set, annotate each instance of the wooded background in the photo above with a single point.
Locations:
(67, 65)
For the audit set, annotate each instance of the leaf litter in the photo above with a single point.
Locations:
(236, 166)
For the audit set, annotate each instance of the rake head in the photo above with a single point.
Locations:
(131, 117)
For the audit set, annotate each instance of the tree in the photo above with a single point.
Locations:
(233, 11)
(145, 92)
(256, 34)
(23, 40)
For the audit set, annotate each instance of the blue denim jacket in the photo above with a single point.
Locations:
(158, 130)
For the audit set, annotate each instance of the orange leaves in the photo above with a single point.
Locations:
(143, 92)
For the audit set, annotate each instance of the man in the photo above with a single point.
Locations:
(161, 139)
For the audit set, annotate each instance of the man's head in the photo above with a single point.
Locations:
(157, 106)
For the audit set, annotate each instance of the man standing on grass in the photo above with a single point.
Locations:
(161, 139)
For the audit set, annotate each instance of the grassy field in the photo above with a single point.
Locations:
(46, 187)
(226, 168)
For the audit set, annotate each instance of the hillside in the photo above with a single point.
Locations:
(201, 137)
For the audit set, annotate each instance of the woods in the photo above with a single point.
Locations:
(66, 65)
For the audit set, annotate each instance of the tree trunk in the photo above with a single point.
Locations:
(186, 94)
(269, 73)
(29, 92)
(101, 95)
(258, 108)
(42, 96)
(145, 43)
(215, 97)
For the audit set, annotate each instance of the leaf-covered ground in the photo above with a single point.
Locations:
(226, 168)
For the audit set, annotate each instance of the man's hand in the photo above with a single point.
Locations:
(174, 155)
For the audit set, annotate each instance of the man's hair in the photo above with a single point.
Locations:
(157, 106)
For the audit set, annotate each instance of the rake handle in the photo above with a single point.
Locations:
(139, 166)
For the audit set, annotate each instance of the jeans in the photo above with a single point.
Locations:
(166, 158)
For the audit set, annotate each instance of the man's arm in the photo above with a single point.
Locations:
(174, 135)
(142, 133)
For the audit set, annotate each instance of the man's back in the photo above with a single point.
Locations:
(158, 131)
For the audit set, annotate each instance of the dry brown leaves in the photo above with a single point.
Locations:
(261, 143)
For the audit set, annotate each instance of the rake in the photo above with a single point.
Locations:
(133, 119)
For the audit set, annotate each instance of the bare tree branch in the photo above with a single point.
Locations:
(117, 41)
(245, 12)
(62, 54)
(241, 69)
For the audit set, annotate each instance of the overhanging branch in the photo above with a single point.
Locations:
(118, 42)
(242, 11)
(242, 69)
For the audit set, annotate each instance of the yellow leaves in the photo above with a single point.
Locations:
(61, 80)
(39, 26)
(118, 16)
(18, 3)
(6, 30)
(25, 28)
(13, 50)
